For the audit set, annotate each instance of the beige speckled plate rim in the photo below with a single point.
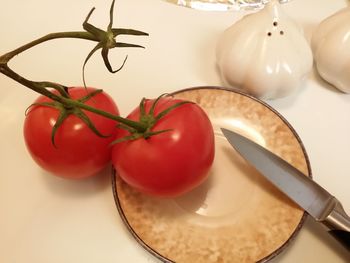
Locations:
(274, 253)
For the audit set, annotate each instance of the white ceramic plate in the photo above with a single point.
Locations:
(236, 215)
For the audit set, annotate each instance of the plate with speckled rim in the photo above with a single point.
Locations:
(236, 215)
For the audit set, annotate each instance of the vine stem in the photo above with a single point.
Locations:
(33, 85)
(4, 59)
(39, 87)
(139, 126)
(42, 87)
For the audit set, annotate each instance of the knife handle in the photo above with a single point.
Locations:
(342, 236)
(338, 223)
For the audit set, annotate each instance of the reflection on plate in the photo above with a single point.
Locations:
(234, 216)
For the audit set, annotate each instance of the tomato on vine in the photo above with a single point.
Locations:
(66, 131)
(165, 147)
(176, 158)
(72, 149)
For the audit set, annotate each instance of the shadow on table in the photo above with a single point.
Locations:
(320, 233)
(81, 187)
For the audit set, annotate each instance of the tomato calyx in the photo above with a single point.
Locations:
(106, 40)
(65, 110)
(148, 121)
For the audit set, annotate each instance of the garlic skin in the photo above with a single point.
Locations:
(264, 54)
(331, 48)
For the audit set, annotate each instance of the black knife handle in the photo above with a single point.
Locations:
(338, 223)
(342, 236)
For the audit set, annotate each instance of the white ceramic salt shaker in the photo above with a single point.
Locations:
(264, 53)
(331, 49)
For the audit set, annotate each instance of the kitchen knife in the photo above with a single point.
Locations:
(305, 192)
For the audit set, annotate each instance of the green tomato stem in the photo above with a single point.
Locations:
(94, 34)
(40, 87)
(35, 86)
(139, 126)
(4, 59)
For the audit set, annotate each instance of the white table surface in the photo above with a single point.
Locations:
(47, 219)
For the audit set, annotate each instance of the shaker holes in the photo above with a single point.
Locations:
(275, 24)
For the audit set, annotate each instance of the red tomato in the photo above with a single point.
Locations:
(171, 163)
(79, 152)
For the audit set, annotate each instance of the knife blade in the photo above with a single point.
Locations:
(305, 192)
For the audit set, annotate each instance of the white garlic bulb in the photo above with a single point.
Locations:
(331, 48)
(264, 53)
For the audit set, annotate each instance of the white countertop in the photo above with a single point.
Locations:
(47, 219)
